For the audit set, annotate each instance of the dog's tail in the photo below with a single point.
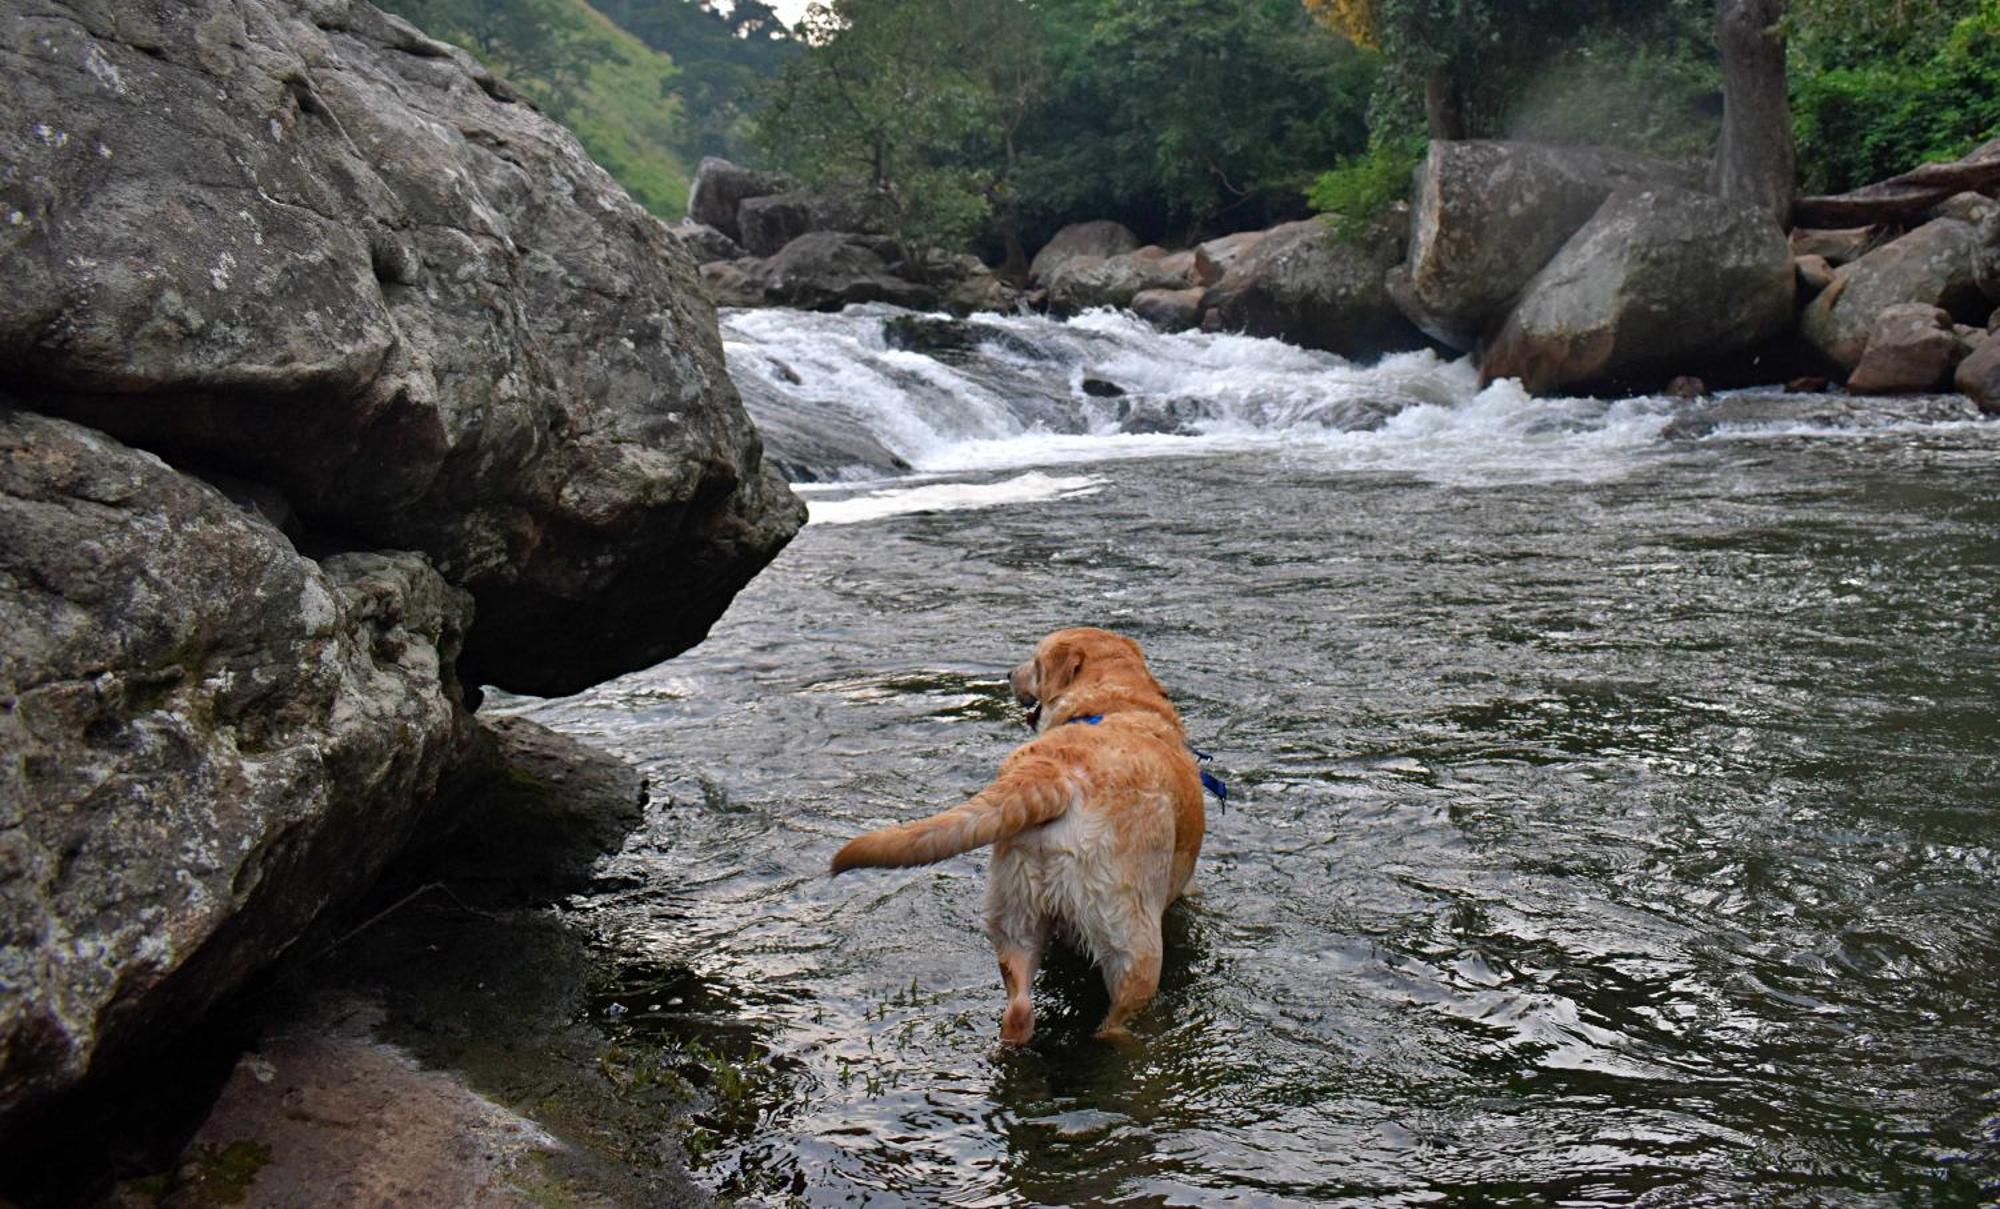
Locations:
(1022, 798)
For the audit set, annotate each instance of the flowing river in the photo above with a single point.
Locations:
(1615, 804)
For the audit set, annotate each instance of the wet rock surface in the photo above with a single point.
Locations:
(211, 738)
(312, 248)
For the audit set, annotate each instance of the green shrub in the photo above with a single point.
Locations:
(1874, 119)
(1361, 188)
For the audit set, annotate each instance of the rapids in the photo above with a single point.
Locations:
(1614, 785)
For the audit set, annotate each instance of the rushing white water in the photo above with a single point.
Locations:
(840, 401)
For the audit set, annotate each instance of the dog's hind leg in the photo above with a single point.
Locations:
(1132, 978)
(1020, 936)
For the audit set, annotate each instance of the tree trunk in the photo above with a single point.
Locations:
(1444, 110)
(1754, 161)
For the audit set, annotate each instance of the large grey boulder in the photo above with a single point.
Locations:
(719, 187)
(827, 270)
(207, 738)
(1936, 264)
(769, 223)
(1082, 282)
(1100, 238)
(308, 245)
(1301, 285)
(1656, 281)
(1486, 216)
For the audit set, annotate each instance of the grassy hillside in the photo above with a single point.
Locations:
(585, 72)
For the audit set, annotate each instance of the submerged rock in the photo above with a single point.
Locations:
(209, 737)
(1658, 279)
(1299, 284)
(309, 246)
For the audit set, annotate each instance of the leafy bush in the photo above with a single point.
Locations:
(1363, 187)
(1876, 118)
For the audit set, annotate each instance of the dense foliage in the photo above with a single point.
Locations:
(1880, 87)
(1018, 115)
(726, 60)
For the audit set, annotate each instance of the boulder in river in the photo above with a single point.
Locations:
(209, 738)
(704, 243)
(1978, 376)
(1936, 265)
(1911, 349)
(1082, 282)
(769, 223)
(1488, 215)
(1170, 310)
(1657, 279)
(1302, 285)
(312, 247)
(826, 270)
(1213, 259)
(719, 187)
(1100, 238)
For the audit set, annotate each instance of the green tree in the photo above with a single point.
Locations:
(916, 101)
(1179, 117)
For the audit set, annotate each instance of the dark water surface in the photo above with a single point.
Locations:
(1623, 838)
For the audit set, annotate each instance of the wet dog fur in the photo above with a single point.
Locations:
(1095, 826)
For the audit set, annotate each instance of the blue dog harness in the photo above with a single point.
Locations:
(1209, 780)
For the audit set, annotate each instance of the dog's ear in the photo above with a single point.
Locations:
(1059, 670)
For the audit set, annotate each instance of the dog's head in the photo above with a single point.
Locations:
(1076, 667)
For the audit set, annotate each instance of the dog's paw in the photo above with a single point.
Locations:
(1017, 1027)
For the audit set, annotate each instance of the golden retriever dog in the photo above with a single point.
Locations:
(1095, 824)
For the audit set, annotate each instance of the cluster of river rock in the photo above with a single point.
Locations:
(1570, 268)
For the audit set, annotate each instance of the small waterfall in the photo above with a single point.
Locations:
(874, 392)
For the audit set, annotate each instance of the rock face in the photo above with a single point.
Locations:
(1299, 284)
(310, 247)
(1658, 278)
(209, 737)
(1936, 265)
(719, 187)
(1488, 215)
(1100, 238)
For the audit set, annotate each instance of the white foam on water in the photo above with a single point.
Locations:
(1017, 400)
(1030, 488)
